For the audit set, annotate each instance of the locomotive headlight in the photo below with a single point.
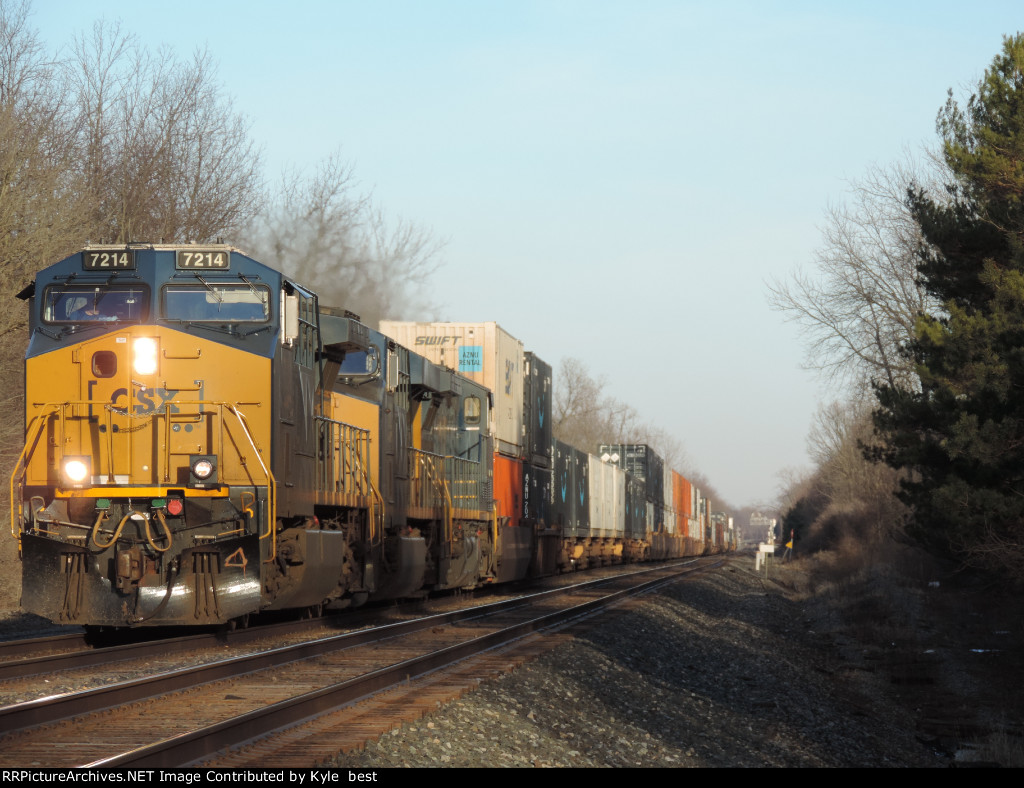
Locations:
(76, 470)
(145, 356)
(202, 470)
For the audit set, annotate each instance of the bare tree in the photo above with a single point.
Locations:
(325, 233)
(41, 209)
(397, 260)
(40, 216)
(835, 443)
(859, 307)
(576, 396)
(859, 304)
(585, 417)
(164, 156)
(846, 496)
(671, 449)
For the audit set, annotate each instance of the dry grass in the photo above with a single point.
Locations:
(1005, 749)
(948, 644)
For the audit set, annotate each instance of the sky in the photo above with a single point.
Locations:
(616, 182)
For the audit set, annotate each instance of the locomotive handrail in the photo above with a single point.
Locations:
(49, 409)
(444, 484)
(495, 534)
(353, 448)
(341, 457)
(455, 482)
(441, 485)
(21, 465)
(380, 501)
(460, 478)
(271, 483)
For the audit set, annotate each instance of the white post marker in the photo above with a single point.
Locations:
(763, 550)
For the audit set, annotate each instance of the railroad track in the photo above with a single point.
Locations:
(20, 648)
(57, 655)
(60, 656)
(188, 715)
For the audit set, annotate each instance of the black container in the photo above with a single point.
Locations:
(537, 411)
(641, 461)
(636, 508)
(536, 496)
(570, 493)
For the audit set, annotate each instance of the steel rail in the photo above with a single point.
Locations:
(19, 646)
(204, 742)
(51, 709)
(121, 652)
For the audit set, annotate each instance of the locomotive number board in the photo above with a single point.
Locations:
(109, 259)
(193, 259)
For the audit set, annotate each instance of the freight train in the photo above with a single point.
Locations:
(205, 441)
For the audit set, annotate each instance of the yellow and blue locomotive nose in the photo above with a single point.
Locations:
(143, 487)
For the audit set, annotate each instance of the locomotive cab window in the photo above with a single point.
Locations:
(360, 366)
(216, 303)
(471, 410)
(84, 304)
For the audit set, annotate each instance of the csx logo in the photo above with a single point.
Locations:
(153, 400)
(437, 340)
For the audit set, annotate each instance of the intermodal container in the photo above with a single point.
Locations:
(641, 461)
(570, 490)
(537, 410)
(483, 352)
(607, 499)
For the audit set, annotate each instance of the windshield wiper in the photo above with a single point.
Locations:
(208, 286)
(252, 287)
(220, 329)
(77, 328)
(50, 334)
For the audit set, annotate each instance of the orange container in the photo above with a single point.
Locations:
(508, 488)
(681, 491)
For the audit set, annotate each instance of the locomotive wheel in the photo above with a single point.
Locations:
(313, 611)
(242, 622)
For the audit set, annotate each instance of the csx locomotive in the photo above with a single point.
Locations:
(204, 440)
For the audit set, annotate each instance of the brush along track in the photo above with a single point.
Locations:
(214, 706)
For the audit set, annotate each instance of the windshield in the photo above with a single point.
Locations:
(66, 304)
(221, 303)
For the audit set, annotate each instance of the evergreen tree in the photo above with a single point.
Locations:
(960, 435)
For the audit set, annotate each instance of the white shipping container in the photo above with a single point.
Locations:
(607, 499)
(619, 480)
(483, 352)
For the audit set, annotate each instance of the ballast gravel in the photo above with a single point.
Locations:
(728, 668)
(722, 670)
